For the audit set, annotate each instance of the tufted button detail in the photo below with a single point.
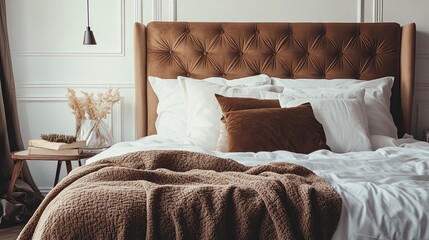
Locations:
(170, 52)
(274, 53)
(205, 53)
(322, 33)
(257, 32)
(188, 74)
(188, 30)
(340, 54)
(223, 75)
(222, 31)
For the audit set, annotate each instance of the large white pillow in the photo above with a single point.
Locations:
(203, 110)
(377, 98)
(342, 114)
(327, 93)
(171, 119)
(172, 115)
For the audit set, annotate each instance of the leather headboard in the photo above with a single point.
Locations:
(287, 50)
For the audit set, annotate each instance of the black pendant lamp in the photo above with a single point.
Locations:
(88, 38)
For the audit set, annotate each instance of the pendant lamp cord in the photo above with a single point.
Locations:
(87, 10)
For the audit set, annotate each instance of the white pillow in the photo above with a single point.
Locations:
(342, 114)
(172, 115)
(171, 119)
(204, 112)
(377, 98)
(326, 93)
(314, 83)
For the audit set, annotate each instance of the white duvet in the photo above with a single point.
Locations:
(385, 192)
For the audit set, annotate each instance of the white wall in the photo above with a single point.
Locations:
(48, 55)
(415, 11)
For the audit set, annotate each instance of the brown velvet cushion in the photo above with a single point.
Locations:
(229, 104)
(270, 129)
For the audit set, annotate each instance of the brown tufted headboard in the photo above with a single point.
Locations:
(288, 50)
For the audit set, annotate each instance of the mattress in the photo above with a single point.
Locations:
(385, 192)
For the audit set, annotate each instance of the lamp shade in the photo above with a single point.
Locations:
(88, 38)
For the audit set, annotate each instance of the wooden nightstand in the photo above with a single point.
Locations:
(20, 156)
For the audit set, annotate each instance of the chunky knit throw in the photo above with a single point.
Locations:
(186, 195)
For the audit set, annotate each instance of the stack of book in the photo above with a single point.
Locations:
(43, 147)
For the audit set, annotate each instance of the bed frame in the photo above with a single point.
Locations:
(287, 50)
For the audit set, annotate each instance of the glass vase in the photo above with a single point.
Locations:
(96, 133)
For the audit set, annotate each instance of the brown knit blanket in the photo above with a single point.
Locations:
(186, 195)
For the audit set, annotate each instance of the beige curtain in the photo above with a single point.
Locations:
(26, 196)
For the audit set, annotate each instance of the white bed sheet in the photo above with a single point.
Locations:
(385, 192)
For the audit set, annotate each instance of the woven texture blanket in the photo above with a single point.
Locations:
(186, 195)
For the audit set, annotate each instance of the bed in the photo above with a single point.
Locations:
(369, 182)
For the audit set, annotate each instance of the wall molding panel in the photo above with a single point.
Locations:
(114, 119)
(29, 84)
(173, 10)
(138, 10)
(157, 10)
(73, 53)
(70, 54)
(360, 11)
(378, 11)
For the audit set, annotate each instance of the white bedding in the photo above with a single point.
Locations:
(385, 192)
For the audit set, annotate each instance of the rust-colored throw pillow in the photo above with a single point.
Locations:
(228, 104)
(293, 129)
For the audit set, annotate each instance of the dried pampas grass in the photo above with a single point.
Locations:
(93, 107)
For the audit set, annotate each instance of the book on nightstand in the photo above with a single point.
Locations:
(62, 152)
(40, 143)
